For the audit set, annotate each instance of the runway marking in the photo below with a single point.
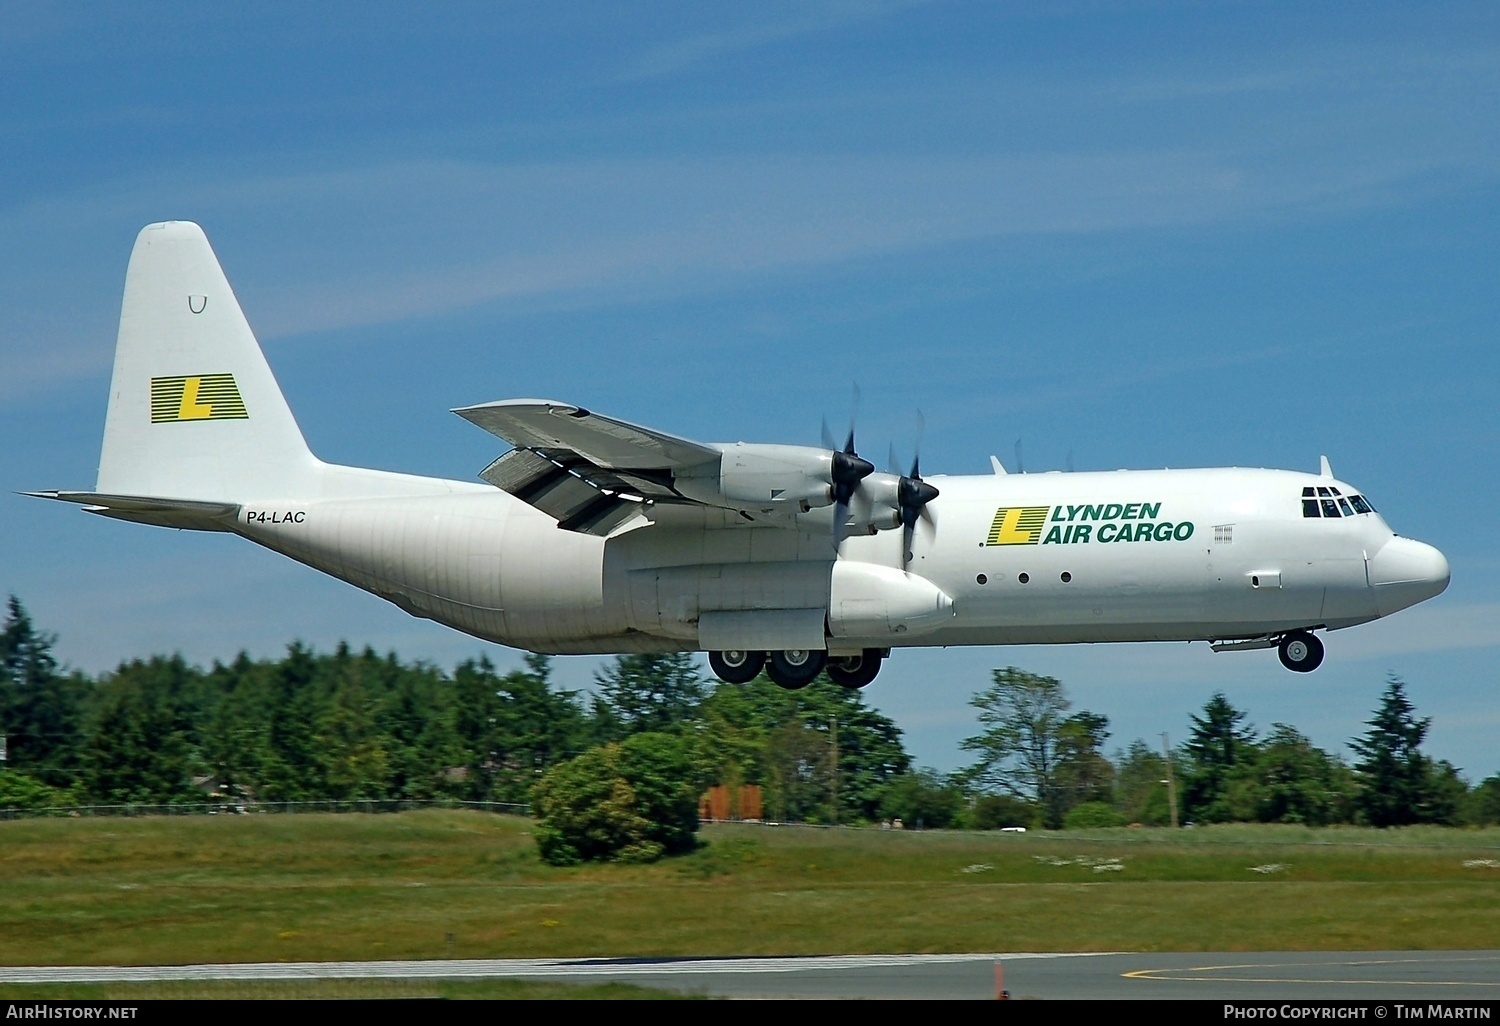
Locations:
(496, 967)
(1169, 975)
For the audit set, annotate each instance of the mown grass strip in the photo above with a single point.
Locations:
(331, 887)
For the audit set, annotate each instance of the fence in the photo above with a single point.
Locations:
(238, 808)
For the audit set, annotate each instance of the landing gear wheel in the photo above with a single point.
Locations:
(1300, 651)
(733, 666)
(796, 668)
(855, 671)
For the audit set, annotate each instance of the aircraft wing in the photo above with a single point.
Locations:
(591, 473)
(604, 441)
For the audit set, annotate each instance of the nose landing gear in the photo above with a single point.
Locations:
(1300, 651)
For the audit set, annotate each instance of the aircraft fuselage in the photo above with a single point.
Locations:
(1168, 555)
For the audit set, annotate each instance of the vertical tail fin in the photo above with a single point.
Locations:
(194, 411)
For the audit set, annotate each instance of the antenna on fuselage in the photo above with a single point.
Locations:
(1325, 470)
(1020, 463)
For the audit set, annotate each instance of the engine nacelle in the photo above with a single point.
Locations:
(869, 601)
(765, 477)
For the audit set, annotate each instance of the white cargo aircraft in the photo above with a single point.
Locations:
(594, 535)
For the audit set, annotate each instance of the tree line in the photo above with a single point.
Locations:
(352, 725)
(1039, 765)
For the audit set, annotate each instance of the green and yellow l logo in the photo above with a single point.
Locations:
(1018, 525)
(200, 397)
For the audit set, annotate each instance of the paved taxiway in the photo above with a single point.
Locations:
(1263, 976)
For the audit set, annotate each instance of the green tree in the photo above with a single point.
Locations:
(1482, 804)
(293, 766)
(142, 748)
(1397, 783)
(20, 791)
(1022, 714)
(353, 761)
(40, 708)
(923, 798)
(1141, 785)
(807, 748)
(650, 691)
(1221, 754)
(630, 801)
(1083, 773)
(996, 812)
(1298, 783)
(1092, 816)
(512, 728)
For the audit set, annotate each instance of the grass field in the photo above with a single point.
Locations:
(319, 887)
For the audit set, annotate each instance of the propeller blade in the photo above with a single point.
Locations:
(846, 471)
(912, 496)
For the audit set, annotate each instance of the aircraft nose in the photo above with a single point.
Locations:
(1405, 572)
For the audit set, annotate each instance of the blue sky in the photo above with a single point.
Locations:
(1129, 234)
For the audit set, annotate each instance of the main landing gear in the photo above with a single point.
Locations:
(736, 667)
(795, 669)
(1300, 651)
(857, 670)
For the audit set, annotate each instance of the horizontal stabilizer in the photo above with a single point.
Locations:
(187, 514)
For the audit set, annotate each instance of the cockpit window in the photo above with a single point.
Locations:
(1329, 503)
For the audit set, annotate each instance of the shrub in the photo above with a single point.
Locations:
(994, 811)
(634, 801)
(1091, 816)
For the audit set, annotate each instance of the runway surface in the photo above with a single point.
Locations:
(1258, 976)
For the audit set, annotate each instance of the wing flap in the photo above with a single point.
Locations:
(562, 492)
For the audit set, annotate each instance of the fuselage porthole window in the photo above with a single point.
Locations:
(1330, 508)
(1309, 507)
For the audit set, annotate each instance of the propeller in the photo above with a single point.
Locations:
(848, 469)
(912, 496)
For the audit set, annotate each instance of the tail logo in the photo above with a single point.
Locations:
(200, 397)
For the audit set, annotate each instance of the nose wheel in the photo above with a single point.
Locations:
(1300, 651)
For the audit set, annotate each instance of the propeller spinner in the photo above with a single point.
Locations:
(848, 470)
(912, 496)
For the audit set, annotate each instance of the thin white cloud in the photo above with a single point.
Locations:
(763, 29)
(382, 244)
